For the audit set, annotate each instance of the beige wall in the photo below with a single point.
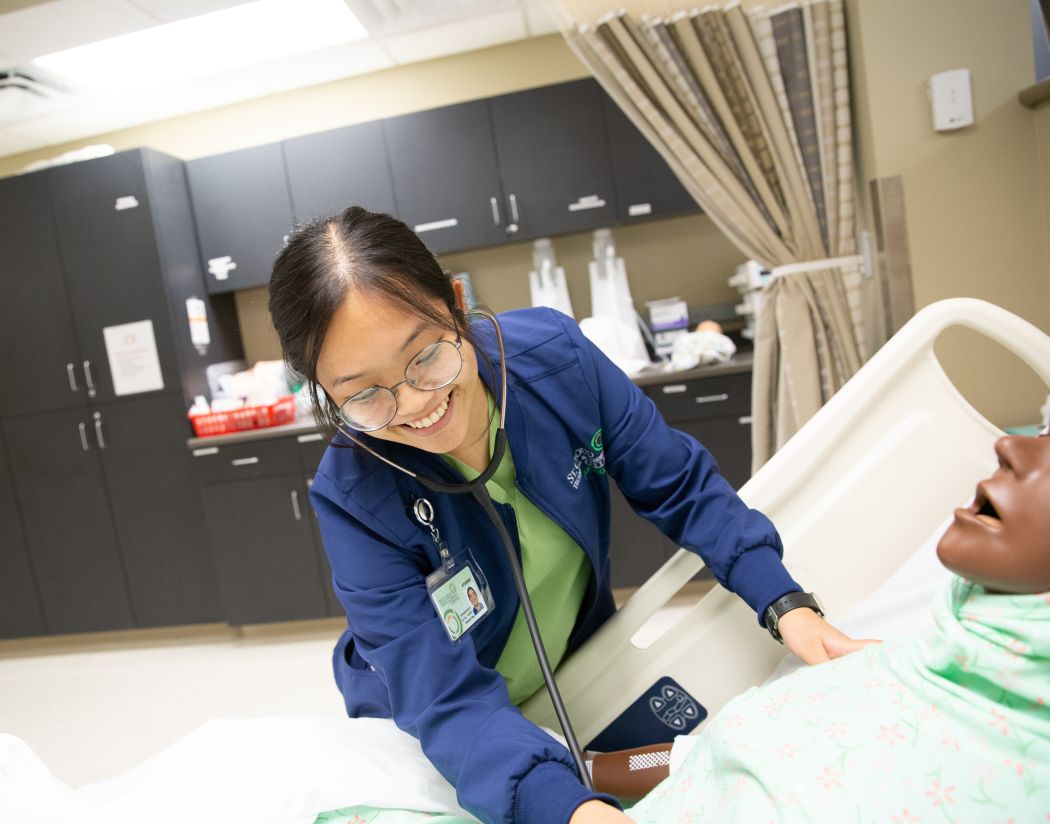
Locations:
(976, 199)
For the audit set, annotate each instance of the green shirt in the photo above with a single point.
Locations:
(556, 575)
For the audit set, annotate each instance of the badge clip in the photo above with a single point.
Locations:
(424, 512)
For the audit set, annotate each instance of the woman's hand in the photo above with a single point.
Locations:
(813, 639)
(598, 812)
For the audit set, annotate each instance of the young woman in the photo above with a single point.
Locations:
(405, 379)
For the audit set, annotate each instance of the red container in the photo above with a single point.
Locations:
(279, 412)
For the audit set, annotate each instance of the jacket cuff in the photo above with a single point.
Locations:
(759, 577)
(550, 793)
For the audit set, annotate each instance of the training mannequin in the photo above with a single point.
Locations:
(955, 719)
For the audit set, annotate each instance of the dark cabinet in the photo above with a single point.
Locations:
(311, 449)
(20, 612)
(329, 171)
(261, 530)
(68, 528)
(157, 512)
(554, 159)
(40, 364)
(240, 200)
(645, 185)
(446, 179)
(716, 411)
(636, 548)
(104, 491)
(112, 263)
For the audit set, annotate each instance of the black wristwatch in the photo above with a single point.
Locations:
(781, 606)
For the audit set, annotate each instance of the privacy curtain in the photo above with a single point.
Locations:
(751, 110)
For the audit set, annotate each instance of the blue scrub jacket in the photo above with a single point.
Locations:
(574, 420)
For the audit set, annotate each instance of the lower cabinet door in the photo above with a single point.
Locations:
(263, 547)
(729, 440)
(68, 528)
(636, 548)
(157, 510)
(20, 612)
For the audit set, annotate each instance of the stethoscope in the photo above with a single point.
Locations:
(477, 488)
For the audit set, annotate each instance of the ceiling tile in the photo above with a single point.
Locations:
(453, 38)
(62, 24)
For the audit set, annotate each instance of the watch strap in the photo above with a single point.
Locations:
(780, 607)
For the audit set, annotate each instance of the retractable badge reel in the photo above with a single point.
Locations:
(457, 589)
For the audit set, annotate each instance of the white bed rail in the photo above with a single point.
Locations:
(862, 485)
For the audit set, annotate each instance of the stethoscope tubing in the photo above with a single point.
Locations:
(480, 493)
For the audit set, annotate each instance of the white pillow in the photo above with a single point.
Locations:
(30, 794)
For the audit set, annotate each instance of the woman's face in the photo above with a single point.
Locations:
(1002, 540)
(369, 342)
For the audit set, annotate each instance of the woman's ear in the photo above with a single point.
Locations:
(461, 294)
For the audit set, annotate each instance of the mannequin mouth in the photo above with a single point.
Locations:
(984, 510)
(435, 420)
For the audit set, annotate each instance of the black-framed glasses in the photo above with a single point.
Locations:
(433, 367)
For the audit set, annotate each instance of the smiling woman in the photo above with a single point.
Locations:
(402, 380)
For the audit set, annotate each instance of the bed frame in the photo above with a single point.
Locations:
(854, 493)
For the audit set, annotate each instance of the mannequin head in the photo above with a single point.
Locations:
(1002, 539)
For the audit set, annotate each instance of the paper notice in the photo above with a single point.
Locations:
(133, 360)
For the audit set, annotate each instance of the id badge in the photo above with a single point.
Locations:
(460, 595)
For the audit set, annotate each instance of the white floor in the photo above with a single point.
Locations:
(91, 706)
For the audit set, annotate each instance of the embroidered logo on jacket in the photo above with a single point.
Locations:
(587, 459)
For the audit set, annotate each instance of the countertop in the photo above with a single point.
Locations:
(741, 362)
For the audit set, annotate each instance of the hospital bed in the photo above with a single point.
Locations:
(864, 483)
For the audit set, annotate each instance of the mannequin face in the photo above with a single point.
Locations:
(371, 340)
(1002, 540)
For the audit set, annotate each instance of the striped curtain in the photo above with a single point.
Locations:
(751, 110)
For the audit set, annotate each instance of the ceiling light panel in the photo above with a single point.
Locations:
(452, 38)
(205, 45)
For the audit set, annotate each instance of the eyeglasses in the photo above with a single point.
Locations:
(433, 367)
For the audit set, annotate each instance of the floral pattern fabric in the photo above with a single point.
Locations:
(949, 726)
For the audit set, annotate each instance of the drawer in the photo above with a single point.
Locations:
(254, 459)
(312, 447)
(701, 398)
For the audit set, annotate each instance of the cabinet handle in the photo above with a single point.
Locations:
(295, 506)
(83, 437)
(587, 202)
(495, 211)
(673, 388)
(447, 223)
(71, 372)
(313, 436)
(88, 379)
(98, 431)
(512, 227)
(712, 398)
(744, 421)
(244, 461)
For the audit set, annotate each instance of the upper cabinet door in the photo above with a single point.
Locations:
(107, 236)
(20, 612)
(40, 364)
(240, 202)
(329, 171)
(645, 185)
(446, 181)
(554, 159)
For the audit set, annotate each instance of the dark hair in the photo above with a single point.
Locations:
(330, 256)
